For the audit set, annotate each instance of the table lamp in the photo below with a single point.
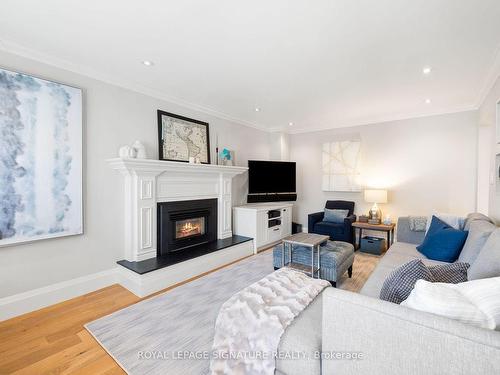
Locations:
(375, 196)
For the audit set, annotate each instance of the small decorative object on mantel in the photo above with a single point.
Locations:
(227, 157)
(363, 218)
(140, 150)
(180, 138)
(127, 152)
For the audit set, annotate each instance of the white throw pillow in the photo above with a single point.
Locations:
(454, 221)
(474, 302)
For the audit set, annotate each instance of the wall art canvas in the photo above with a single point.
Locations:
(180, 138)
(40, 159)
(498, 123)
(341, 166)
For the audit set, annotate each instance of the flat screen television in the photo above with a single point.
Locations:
(271, 177)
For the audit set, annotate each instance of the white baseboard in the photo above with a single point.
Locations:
(35, 299)
(140, 285)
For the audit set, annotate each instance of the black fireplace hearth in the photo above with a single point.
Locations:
(184, 224)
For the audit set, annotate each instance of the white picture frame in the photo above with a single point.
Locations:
(42, 180)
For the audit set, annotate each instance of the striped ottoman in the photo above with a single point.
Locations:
(336, 258)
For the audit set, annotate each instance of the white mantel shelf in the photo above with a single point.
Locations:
(148, 182)
(161, 166)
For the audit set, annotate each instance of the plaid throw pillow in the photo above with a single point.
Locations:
(452, 273)
(399, 284)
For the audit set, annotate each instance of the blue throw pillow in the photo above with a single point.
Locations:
(442, 242)
(335, 216)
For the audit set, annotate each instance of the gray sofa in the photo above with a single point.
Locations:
(392, 339)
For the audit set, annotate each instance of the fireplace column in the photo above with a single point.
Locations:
(140, 214)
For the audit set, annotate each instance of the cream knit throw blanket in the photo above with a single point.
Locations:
(250, 324)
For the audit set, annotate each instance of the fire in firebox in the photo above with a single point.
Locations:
(189, 227)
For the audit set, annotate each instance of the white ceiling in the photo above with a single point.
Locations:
(318, 64)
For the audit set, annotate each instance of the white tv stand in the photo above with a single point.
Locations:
(254, 220)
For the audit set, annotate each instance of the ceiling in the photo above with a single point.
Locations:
(319, 64)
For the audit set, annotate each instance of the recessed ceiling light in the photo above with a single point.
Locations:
(428, 101)
(290, 124)
(148, 63)
(257, 109)
(427, 70)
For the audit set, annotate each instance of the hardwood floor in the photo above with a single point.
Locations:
(53, 340)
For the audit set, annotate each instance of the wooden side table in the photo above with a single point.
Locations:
(389, 229)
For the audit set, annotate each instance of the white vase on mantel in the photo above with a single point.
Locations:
(140, 150)
(127, 152)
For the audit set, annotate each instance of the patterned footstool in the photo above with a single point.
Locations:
(336, 258)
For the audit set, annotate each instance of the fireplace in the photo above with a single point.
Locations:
(184, 224)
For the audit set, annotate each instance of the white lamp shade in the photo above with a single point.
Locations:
(376, 196)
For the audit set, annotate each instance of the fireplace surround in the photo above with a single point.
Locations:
(184, 224)
(148, 183)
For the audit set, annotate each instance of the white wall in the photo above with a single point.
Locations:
(488, 148)
(426, 164)
(114, 117)
(279, 143)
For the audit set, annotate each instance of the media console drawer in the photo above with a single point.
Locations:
(274, 234)
(266, 223)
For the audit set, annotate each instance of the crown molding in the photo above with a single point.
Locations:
(379, 120)
(490, 79)
(17, 49)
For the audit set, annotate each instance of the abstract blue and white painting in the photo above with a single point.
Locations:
(40, 158)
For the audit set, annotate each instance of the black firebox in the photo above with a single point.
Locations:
(184, 224)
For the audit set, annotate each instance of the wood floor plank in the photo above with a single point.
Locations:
(53, 340)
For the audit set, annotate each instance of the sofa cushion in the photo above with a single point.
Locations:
(476, 216)
(442, 242)
(406, 249)
(479, 232)
(335, 215)
(487, 263)
(475, 302)
(303, 335)
(399, 284)
(325, 227)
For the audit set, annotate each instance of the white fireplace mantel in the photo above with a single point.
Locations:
(148, 182)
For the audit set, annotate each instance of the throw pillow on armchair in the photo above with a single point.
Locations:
(339, 228)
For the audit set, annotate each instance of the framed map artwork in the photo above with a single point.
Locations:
(180, 138)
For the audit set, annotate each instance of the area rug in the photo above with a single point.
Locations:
(172, 333)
